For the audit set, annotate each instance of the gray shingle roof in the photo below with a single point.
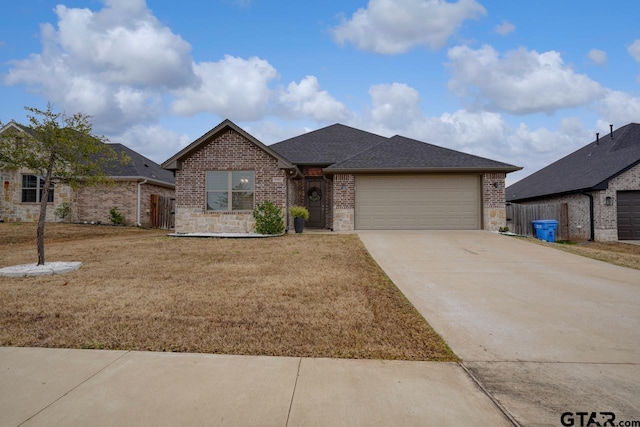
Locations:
(327, 145)
(399, 154)
(139, 166)
(589, 168)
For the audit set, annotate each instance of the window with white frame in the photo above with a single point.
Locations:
(230, 190)
(32, 188)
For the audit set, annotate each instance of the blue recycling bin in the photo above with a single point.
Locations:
(546, 229)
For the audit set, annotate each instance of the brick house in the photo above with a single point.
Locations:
(130, 192)
(347, 178)
(600, 183)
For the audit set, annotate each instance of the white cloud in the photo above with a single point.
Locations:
(394, 105)
(505, 28)
(306, 99)
(520, 81)
(597, 56)
(634, 50)
(234, 88)
(396, 26)
(619, 107)
(154, 141)
(113, 64)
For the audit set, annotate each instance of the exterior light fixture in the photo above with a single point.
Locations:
(608, 201)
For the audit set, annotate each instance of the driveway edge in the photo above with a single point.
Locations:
(495, 401)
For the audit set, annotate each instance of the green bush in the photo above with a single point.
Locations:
(299, 212)
(117, 218)
(269, 219)
(64, 211)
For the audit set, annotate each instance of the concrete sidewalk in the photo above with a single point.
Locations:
(111, 388)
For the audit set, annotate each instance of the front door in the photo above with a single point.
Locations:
(314, 202)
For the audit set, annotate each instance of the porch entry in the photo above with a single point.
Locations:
(314, 201)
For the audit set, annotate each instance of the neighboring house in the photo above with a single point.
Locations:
(130, 192)
(347, 178)
(600, 183)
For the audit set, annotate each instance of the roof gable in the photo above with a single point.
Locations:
(326, 146)
(400, 154)
(175, 162)
(589, 168)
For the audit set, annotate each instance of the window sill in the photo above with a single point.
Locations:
(228, 212)
(34, 203)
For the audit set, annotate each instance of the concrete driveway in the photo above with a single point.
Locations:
(544, 331)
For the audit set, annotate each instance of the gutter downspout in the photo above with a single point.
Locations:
(140, 184)
(591, 218)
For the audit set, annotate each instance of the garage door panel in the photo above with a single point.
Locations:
(418, 202)
(628, 208)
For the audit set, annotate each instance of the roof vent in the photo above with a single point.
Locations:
(597, 137)
(146, 165)
(611, 129)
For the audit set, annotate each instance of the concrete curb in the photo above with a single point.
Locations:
(49, 268)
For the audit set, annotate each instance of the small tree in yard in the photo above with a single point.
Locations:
(59, 148)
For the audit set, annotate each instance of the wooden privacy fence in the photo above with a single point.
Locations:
(520, 217)
(162, 211)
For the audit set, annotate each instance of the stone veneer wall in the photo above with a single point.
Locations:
(494, 208)
(228, 151)
(13, 210)
(344, 197)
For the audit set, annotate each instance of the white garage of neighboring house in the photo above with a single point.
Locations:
(347, 178)
(599, 184)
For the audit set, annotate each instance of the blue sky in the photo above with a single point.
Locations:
(521, 82)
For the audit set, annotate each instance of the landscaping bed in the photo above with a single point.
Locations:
(311, 295)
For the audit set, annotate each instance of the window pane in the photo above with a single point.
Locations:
(217, 181)
(29, 181)
(217, 201)
(242, 181)
(242, 201)
(29, 195)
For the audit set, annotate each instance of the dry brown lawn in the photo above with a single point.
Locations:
(622, 254)
(299, 295)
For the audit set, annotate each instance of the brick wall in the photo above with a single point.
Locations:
(493, 201)
(606, 217)
(343, 202)
(95, 202)
(228, 151)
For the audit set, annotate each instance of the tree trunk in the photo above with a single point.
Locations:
(43, 214)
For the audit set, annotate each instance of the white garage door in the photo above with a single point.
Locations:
(418, 202)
